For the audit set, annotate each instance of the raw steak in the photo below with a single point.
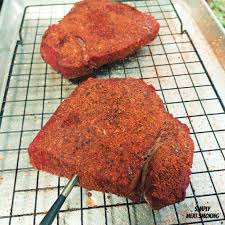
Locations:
(94, 33)
(116, 135)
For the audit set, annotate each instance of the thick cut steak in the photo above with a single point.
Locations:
(94, 33)
(117, 136)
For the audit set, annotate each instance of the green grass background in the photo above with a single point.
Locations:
(218, 7)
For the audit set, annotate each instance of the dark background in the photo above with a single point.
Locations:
(1, 1)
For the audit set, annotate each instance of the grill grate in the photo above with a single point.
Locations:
(171, 63)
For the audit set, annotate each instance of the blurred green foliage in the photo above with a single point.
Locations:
(218, 7)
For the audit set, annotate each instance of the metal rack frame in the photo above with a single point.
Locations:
(172, 51)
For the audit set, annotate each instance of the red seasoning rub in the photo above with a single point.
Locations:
(94, 33)
(117, 136)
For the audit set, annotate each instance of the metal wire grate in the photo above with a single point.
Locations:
(171, 63)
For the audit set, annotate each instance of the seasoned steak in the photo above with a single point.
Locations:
(116, 135)
(94, 33)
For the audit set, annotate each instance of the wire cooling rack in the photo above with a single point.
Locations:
(172, 64)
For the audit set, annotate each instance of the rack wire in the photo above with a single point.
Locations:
(34, 90)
